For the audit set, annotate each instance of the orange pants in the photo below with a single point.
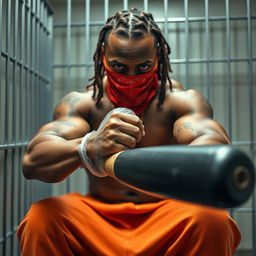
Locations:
(81, 225)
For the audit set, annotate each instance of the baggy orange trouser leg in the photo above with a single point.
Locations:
(81, 225)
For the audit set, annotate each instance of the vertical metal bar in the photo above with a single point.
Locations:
(6, 131)
(44, 41)
(27, 98)
(24, 98)
(251, 105)
(208, 79)
(145, 5)
(35, 99)
(9, 87)
(68, 60)
(16, 98)
(166, 19)
(87, 37)
(38, 56)
(8, 39)
(50, 61)
(39, 37)
(228, 48)
(2, 195)
(43, 51)
(5, 165)
(125, 4)
(106, 9)
(15, 63)
(19, 194)
(34, 82)
(31, 109)
(14, 123)
(29, 3)
(68, 50)
(12, 197)
(19, 185)
(1, 35)
(22, 109)
(43, 83)
(186, 43)
(38, 53)
(1, 32)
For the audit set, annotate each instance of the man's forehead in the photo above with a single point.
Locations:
(130, 48)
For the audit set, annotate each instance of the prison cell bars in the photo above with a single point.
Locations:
(252, 116)
(27, 87)
(68, 58)
(187, 61)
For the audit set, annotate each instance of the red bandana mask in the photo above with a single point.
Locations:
(133, 92)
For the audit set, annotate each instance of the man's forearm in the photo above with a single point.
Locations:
(207, 139)
(51, 159)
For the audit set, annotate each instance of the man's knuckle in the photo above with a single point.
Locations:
(111, 144)
(138, 122)
(112, 123)
(133, 142)
(137, 131)
(115, 115)
(110, 134)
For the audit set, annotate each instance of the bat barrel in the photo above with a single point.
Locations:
(241, 177)
(220, 176)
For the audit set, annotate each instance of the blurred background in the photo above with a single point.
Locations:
(46, 52)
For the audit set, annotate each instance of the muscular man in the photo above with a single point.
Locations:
(131, 70)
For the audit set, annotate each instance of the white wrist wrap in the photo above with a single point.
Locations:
(86, 160)
(93, 168)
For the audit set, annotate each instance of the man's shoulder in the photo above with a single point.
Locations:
(78, 99)
(189, 101)
(75, 103)
(176, 85)
(178, 94)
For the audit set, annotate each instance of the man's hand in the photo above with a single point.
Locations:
(120, 132)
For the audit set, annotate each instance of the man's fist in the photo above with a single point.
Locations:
(119, 131)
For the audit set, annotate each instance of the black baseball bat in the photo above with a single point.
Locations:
(216, 175)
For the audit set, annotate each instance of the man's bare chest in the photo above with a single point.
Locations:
(158, 123)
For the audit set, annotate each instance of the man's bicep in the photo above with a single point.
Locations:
(69, 128)
(185, 130)
(68, 122)
(68, 106)
(199, 130)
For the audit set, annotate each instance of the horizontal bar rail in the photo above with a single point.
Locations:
(161, 20)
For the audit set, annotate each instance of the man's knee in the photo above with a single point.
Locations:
(43, 216)
(214, 224)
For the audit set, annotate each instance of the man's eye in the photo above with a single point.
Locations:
(144, 67)
(118, 67)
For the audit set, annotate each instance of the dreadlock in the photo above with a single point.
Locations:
(133, 24)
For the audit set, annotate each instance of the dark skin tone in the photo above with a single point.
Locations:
(184, 118)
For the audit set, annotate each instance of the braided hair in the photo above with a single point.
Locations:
(132, 24)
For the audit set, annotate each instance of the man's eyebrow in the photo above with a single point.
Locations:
(146, 62)
(120, 63)
(116, 62)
